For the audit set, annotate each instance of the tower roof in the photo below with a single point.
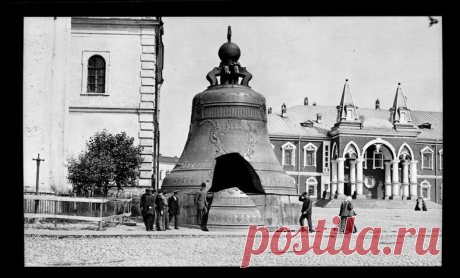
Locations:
(400, 99)
(346, 111)
(347, 98)
(400, 114)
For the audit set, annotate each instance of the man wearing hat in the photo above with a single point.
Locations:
(159, 210)
(147, 206)
(174, 208)
(202, 206)
(306, 211)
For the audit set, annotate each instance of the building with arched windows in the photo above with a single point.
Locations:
(83, 75)
(334, 152)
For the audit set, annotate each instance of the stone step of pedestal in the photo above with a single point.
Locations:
(378, 204)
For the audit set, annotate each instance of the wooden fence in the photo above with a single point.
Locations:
(76, 208)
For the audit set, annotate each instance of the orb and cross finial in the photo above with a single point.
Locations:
(229, 68)
(229, 53)
(229, 34)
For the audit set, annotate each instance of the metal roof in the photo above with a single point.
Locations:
(168, 159)
(290, 125)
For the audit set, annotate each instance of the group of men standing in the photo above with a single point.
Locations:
(158, 209)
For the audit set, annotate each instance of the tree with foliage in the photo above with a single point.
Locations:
(107, 159)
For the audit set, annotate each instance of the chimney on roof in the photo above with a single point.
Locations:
(283, 111)
(377, 104)
(318, 118)
(314, 103)
(305, 101)
(269, 110)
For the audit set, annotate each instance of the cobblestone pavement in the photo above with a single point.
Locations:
(200, 248)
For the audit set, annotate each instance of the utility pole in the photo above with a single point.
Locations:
(158, 82)
(38, 159)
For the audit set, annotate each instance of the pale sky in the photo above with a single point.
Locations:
(291, 58)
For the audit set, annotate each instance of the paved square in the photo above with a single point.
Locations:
(190, 247)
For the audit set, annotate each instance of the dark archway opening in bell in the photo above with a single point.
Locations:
(232, 170)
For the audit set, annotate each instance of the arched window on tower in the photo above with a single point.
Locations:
(96, 74)
(311, 184)
(378, 157)
(425, 190)
(288, 154)
(309, 155)
(427, 158)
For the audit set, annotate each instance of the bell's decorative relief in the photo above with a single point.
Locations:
(238, 136)
(203, 112)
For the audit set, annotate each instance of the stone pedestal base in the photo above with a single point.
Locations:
(404, 198)
(360, 197)
(412, 197)
(341, 197)
(395, 197)
(387, 198)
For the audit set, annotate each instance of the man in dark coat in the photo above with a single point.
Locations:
(306, 211)
(174, 208)
(202, 206)
(423, 205)
(418, 204)
(147, 206)
(159, 205)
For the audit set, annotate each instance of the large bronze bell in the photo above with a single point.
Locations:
(233, 210)
(228, 144)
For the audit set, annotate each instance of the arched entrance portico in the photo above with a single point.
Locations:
(377, 159)
(397, 167)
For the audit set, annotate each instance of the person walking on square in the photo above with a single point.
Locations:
(306, 211)
(346, 211)
(159, 204)
(418, 204)
(165, 211)
(423, 205)
(202, 206)
(174, 208)
(147, 206)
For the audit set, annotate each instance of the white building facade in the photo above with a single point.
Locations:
(83, 75)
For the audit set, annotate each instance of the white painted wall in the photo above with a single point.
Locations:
(57, 118)
(46, 44)
(123, 87)
(124, 73)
